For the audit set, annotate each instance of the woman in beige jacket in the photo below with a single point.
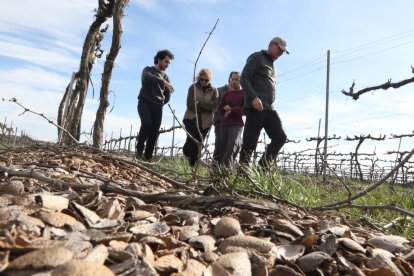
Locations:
(202, 101)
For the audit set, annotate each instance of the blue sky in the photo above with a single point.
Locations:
(370, 42)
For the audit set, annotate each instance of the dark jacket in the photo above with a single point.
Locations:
(153, 89)
(258, 79)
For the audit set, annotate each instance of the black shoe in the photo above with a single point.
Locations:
(147, 158)
(245, 156)
(138, 155)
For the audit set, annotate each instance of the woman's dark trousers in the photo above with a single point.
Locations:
(190, 148)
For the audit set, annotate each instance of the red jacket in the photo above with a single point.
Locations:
(234, 99)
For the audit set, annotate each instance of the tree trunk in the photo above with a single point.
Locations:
(107, 73)
(71, 107)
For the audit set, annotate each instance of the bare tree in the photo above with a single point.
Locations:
(72, 104)
(317, 152)
(360, 140)
(107, 73)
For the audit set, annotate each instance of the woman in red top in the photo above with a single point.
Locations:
(231, 107)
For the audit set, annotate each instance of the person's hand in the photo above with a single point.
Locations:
(257, 104)
(227, 108)
(227, 113)
(169, 86)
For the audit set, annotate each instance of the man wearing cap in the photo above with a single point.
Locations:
(258, 80)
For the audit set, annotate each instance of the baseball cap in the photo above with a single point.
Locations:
(281, 43)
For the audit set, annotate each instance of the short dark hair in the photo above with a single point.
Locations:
(162, 54)
(231, 74)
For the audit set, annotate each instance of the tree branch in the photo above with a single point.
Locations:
(384, 86)
(14, 100)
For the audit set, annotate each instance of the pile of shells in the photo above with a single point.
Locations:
(61, 231)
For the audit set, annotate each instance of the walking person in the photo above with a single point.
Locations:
(258, 80)
(231, 108)
(218, 117)
(202, 101)
(155, 91)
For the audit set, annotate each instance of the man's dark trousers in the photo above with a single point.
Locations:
(255, 121)
(151, 117)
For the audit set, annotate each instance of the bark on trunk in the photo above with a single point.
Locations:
(107, 73)
(71, 107)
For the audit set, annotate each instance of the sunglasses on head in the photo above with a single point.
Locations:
(203, 80)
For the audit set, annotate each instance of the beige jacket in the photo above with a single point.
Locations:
(204, 103)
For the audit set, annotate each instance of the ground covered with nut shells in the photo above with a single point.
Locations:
(67, 211)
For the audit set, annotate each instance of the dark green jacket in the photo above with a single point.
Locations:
(258, 80)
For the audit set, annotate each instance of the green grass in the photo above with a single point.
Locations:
(178, 169)
(3, 147)
(307, 191)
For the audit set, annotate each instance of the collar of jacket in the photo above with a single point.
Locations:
(203, 88)
(267, 55)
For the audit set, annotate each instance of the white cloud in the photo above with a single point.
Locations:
(150, 5)
(53, 58)
(46, 33)
(36, 89)
(23, 79)
(59, 19)
(214, 55)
